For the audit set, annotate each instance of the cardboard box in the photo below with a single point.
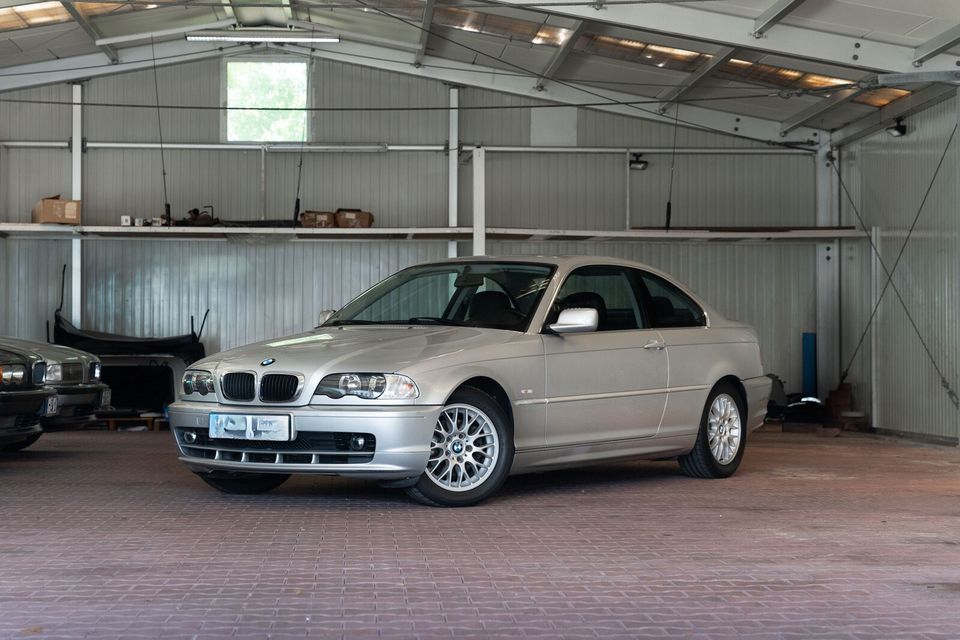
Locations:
(354, 218)
(56, 211)
(318, 219)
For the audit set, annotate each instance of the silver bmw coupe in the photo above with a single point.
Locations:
(447, 377)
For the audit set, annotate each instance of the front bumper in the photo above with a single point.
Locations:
(758, 393)
(78, 402)
(402, 434)
(19, 412)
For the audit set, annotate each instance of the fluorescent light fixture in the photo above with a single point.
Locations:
(898, 130)
(175, 31)
(261, 35)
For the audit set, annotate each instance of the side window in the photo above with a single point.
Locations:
(667, 306)
(606, 289)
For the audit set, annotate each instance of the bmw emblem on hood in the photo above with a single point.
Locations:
(267, 362)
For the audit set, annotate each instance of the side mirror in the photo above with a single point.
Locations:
(325, 315)
(576, 321)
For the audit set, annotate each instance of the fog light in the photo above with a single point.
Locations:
(357, 442)
(189, 437)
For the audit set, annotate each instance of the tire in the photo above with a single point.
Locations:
(244, 483)
(455, 475)
(725, 405)
(20, 445)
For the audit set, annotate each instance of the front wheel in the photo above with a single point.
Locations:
(470, 453)
(244, 483)
(20, 445)
(722, 437)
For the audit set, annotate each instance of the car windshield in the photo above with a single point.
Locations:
(493, 295)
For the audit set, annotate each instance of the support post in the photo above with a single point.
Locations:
(479, 202)
(263, 182)
(627, 196)
(76, 193)
(453, 167)
(828, 274)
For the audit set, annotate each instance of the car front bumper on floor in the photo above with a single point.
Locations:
(20, 412)
(77, 403)
(396, 440)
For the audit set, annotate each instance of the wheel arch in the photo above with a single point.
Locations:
(737, 384)
(490, 387)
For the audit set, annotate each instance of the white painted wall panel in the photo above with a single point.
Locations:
(600, 129)
(26, 175)
(30, 285)
(888, 179)
(35, 120)
(770, 286)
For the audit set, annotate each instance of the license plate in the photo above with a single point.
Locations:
(52, 406)
(238, 426)
(105, 398)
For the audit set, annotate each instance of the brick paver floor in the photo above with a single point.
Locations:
(105, 535)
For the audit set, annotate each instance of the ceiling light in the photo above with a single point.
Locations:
(261, 35)
(898, 130)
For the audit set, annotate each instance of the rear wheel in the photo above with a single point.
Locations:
(244, 483)
(722, 437)
(470, 454)
(20, 445)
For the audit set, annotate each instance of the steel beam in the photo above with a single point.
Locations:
(774, 14)
(686, 20)
(475, 75)
(560, 56)
(935, 46)
(90, 66)
(824, 105)
(479, 202)
(453, 166)
(884, 117)
(719, 59)
(160, 33)
(84, 23)
(424, 32)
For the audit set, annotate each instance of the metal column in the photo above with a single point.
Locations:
(453, 167)
(76, 193)
(828, 274)
(874, 330)
(479, 202)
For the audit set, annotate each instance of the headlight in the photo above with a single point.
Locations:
(54, 373)
(11, 374)
(94, 371)
(386, 386)
(198, 382)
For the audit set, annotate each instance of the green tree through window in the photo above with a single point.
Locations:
(266, 84)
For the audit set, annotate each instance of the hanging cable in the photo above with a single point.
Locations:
(673, 164)
(303, 142)
(951, 393)
(167, 218)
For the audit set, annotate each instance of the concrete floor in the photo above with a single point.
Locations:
(105, 535)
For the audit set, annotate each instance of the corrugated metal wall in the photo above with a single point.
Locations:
(256, 291)
(30, 281)
(888, 178)
(771, 287)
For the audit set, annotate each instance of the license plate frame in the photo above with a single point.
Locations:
(227, 426)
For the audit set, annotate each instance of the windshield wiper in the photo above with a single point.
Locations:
(432, 320)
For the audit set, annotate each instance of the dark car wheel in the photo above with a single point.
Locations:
(20, 445)
(244, 483)
(722, 438)
(470, 454)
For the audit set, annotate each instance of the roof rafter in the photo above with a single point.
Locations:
(823, 106)
(685, 20)
(560, 56)
(425, 32)
(84, 23)
(905, 106)
(774, 14)
(719, 59)
(937, 45)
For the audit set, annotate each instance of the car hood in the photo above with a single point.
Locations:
(50, 353)
(361, 349)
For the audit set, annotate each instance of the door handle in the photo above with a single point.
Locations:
(654, 344)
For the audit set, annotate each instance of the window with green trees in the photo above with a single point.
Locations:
(266, 84)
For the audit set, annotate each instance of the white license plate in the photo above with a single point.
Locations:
(105, 397)
(52, 406)
(239, 426)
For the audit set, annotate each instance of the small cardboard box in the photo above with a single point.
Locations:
(354, 218)
(318, 219)
(56, 211)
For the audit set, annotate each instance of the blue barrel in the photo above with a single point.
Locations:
(810, 365)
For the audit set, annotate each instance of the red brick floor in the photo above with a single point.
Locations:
(105, 535)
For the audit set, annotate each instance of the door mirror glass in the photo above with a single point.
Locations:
(325, 315)
(576, 321)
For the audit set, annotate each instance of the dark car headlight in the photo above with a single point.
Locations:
(370, 386)
(198, 382)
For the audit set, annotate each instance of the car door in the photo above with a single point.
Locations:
(683, 328)
(609, 384)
